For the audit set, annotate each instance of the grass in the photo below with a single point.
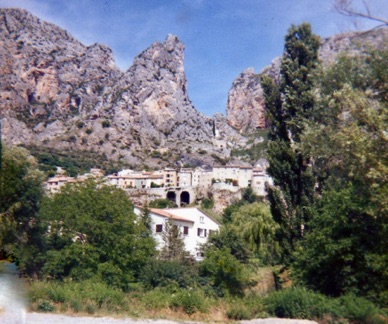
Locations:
(97, 299)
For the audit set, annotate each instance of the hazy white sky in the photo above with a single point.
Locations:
(221, 37)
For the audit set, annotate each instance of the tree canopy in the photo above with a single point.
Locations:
(21, 188)
(91, 232)
(346, 249)
(289, 104)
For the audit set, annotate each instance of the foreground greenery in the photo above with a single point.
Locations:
(321, 235)
(96, 298)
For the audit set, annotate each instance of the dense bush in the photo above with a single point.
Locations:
(224, 271)
(46, 306)
(190, 301)
(156, 299)
(301, 303)
(164, 273)
(207, 203)
(360, 310)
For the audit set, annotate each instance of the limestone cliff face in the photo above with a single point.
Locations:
(58, 93)
(152, 96)
(245, 108)
(245, 102)
(44, 66)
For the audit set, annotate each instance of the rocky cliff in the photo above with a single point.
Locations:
(59, 94)
(245, 108)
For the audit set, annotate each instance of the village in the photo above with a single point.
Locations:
(181, 186)
(170, 181)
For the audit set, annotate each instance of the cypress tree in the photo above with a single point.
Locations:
(289, 104)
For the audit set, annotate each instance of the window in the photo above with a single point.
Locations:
(159, 228)
(200, 254)
(185, 230)
(201, 219)
(202, 232)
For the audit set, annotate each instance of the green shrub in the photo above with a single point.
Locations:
(162, 203)
(91, 307)
(359, 310)
(156, 299)
(207, 203)
(238, 313)
(169, 273)
(80, 124)
(89, 131)
(56, 293)
(46, 306)
(225, 272)
(190, 301)
(76, 305)
(301, 303)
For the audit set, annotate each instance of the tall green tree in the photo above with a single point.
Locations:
(91, 233)
(145, 218)
(289, 104)
(21, 190)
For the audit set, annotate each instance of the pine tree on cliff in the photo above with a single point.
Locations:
(289, 104)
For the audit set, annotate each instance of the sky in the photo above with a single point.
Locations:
(221, 37)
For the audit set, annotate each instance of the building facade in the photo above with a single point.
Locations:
(195, 227)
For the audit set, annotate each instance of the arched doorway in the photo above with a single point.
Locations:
(171, 195)
(185, 198)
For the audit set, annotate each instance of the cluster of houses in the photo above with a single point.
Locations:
(194, 224)
(221, 177)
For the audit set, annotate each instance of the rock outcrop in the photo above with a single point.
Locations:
(245, 108)
(60, 94)
(245, 102)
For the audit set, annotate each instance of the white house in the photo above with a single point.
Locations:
(195, 226)
(202, 178)
(184, 177)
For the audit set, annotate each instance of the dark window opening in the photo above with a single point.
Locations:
(159, 228)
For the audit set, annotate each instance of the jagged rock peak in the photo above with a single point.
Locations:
(60, 95)
(245, 100)
(168, 55)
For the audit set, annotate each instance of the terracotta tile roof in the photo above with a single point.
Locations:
(163, 213)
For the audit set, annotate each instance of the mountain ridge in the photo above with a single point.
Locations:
(61, 94)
